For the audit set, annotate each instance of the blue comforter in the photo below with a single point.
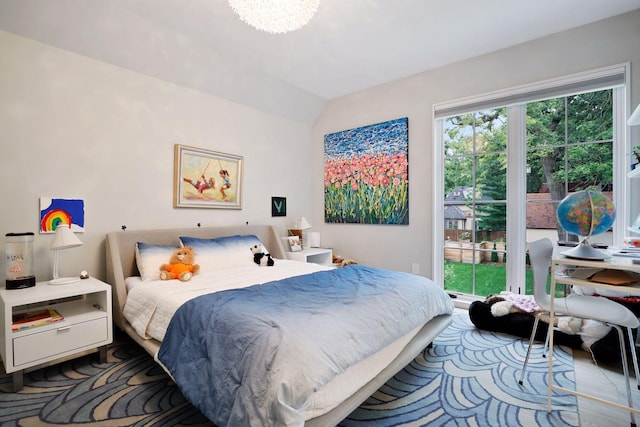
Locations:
(253, 356)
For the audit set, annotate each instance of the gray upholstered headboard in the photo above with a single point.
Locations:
(121, 262)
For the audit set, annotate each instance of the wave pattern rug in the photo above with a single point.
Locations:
(469, 378)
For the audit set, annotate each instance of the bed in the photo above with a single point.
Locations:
(331, 401)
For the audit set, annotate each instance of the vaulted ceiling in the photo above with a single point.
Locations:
(348, 46)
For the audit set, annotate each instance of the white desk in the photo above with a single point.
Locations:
(560, 262)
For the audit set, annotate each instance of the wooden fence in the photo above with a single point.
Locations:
(473, 253)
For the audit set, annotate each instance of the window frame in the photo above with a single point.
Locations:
(515, 99)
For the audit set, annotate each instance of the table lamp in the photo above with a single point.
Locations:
(63, 239)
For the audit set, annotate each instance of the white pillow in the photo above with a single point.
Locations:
(222, 252)
(149, 258)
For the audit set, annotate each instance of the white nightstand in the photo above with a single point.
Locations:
(87, 324)
(315, 255)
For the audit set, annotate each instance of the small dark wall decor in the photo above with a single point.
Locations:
(278, 206)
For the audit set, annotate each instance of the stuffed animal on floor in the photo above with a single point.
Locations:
(601, 342)
(504, 304)
(341, 262)
(181, 266)
(261, 257)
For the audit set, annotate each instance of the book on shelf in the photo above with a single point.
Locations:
(32, 319)
(615, 277)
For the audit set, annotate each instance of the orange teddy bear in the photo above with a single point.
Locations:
(180, 266)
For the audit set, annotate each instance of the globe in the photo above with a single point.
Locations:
(586, 213)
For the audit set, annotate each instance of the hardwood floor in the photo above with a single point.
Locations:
(607, 382)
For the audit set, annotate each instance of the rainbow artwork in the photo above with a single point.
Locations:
(56, 211)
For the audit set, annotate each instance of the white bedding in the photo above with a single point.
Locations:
(151, 304)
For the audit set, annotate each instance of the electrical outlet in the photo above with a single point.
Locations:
(415, 268)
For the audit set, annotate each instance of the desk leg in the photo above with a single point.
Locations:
(552, 292)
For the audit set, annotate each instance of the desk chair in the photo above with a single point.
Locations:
(584, 307)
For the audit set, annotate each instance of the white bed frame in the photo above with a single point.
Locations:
(121, 264)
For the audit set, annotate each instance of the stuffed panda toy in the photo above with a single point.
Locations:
(261, 257)
(605, 349)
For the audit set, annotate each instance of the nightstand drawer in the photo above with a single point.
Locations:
(66, 338)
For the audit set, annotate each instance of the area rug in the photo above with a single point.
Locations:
(468, 378)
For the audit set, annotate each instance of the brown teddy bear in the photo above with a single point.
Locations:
(180, 266)
(338, 261)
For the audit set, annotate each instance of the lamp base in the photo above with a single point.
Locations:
(63, 281)
(585, 251)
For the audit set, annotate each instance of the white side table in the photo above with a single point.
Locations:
(315, 255)
(87, 324)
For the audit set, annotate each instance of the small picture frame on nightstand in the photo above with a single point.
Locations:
(294, 243)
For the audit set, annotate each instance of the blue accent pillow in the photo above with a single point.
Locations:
(149, 258)
(222, 252)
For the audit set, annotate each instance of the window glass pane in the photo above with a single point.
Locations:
(491, 177)
(590, 166)
(546, 123)
(491, 221)
(543, 161)
(458, 176)
(491, 130)
(475, 202)
(590, 117)
(541, 217)
(458, 135)
(473, 278)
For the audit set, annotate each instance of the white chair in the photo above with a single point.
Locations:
(584, 307)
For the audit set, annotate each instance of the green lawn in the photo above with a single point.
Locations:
(490, 278)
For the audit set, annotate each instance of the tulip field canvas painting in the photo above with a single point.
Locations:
(366, 173)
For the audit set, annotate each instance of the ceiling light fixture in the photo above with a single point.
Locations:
(275, 16)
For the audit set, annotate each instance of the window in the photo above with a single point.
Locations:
(569, 148)
(475, 177)
(505, 167)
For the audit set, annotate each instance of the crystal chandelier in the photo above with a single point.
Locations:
(275, 16)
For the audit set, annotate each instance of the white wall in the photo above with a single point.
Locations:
(73, 127)
(76, 127)
(608, 42)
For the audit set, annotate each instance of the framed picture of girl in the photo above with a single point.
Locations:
(206, 179)
(294, 243)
